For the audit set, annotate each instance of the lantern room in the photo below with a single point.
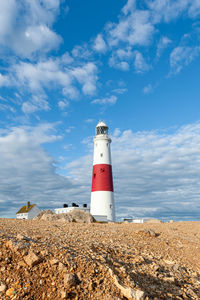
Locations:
(101, 128)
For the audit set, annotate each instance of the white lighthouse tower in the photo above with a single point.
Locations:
(102, 198)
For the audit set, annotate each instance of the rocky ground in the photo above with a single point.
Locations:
(42, 259)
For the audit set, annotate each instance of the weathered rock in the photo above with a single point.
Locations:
(32, 259)
(69, 280)
(77, 215)
(63, 294)
(129, 293)
(10, 292)
(2, 287)
(46, 212)
(16, 246)
(54, 261)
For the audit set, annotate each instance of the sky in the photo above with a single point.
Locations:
(64, 66)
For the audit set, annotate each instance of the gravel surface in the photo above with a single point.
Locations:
(58, 260)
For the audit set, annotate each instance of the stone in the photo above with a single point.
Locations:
(63, 294)
(69, 280)
(10, 292)
(2, 287)
(16, 246)
(54, 261)
(32, 259)
(61, 266)
(129, 293)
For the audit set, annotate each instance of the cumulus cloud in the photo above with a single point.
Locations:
(168, 10)
(104, 101)
(162, 44)
(87, 77)
(99, 44)
(120, 91)
(140, 64)
(36, 103)
(4, 80)
(53, 73)
(156, 174)
(28, 172)
(138, 24)
(82, 52)
(25, 27)
(130, 6)
(134, 29)
(148, 89)
(63, 104)
(182, 56)
(120, 58)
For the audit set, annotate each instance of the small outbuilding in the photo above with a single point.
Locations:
(28, 211)
(66, 209)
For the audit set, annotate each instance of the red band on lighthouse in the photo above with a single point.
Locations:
(102, 178)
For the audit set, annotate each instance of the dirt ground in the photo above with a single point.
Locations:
(58, 260)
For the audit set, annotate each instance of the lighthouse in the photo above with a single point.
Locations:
(102, 197)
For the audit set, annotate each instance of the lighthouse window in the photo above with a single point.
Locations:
(102, 170)
(101, 154)
(94, 175)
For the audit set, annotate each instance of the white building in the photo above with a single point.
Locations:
(64, 210)
(102, 196)
(28, 211)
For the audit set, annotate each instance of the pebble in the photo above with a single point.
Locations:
(2, 287)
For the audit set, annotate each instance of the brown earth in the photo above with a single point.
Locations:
(57, 260)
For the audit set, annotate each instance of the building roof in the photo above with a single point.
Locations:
(24, 209)
(101, 124)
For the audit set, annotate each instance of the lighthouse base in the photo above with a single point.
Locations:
(102, 205)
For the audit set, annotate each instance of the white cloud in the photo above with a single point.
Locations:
(120, 91)
(134, 29)
(129, 7)
(89, 120)
(162, 44)
(29, 108)
(53, 73)
(120, 58)
(140, 65)
(87, 77)
(168, 10)
(82, 52)
(182, 56)
(99, 44)
(42, 74)
(148, 89)
(4, 80)
(69, 129)
(25, 27)
(121, 65)
(7, 18)
(63, 104)
(7, 107)
(194, 9)
(104, 101)
(36, 38)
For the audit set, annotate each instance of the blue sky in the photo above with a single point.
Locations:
(65, 65)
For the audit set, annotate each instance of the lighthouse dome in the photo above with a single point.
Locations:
(101, 128)
(101, 123)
